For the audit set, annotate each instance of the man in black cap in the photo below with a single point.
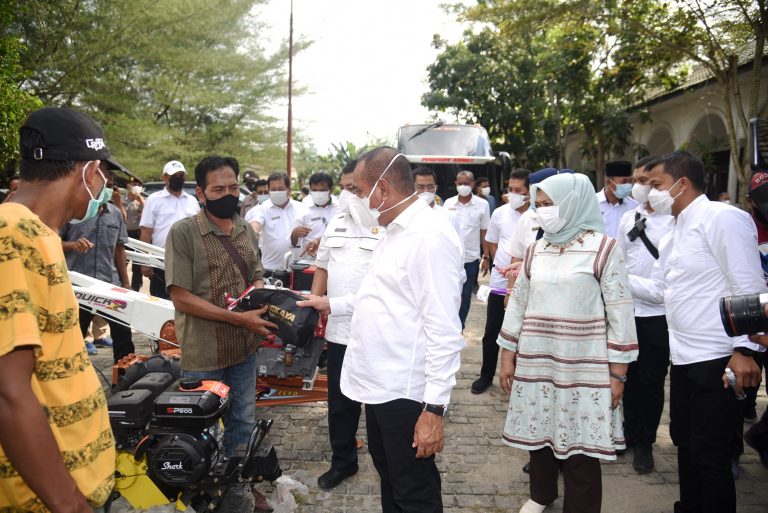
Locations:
(259, 192)
(614, 199)
(56, 445)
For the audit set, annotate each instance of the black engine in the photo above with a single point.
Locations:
(179, 431)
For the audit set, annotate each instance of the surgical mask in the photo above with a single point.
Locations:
(661, 201)
(95, 202)
(366, 202)
(640, 192)
(486, 191)
(176, 183)
(224, 207)
(464, 190)
(515, 200)
(344, 197)
(320, 198)
(549, 217)
(361, 213)
(106, 195)
(261, 198)
(137, 189)
(427, 196)
(623, 190)
(278, 198)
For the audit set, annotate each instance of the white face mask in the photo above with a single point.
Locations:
(344, 197)
(515, 200)
(320, 198)
(137, 189)
(640, 192)
(486, 191)
(549, 217)
(375, 212)
(661, 201)
(364, 216)
(427, 196)
(279, 198)
(464, 190)
(261, 198)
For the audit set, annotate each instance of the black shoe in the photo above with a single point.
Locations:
(527, 468)
(481, 384)
(643, 461)
(333, 477)
(750, 414)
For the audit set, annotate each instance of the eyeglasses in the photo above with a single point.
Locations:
(430, 188)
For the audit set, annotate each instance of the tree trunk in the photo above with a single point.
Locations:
(600, 161)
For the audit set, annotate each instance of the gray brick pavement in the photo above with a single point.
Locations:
(479, 472)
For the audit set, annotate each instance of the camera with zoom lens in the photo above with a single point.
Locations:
(744, 315)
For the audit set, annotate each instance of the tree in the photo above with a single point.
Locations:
(15, 103)
(559, 66)
(172, 79)
(715, 34)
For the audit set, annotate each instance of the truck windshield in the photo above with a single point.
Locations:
(454, 140)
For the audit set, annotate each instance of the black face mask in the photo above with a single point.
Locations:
(224, 207)
(176, 183)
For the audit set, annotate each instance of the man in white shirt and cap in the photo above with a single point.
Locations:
(161, 210)
(614, 198)
(710, 252)
(273, 221)
(405, 339)
(640, 232)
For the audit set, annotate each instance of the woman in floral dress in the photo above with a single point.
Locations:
(567, 338)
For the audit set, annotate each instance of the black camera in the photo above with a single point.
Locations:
(637, 229)
(744, 315)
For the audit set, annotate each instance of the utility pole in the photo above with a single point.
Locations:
(289, 163)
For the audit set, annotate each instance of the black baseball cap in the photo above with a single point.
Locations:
(66, 134)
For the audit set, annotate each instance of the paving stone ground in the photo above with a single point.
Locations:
(479, 473)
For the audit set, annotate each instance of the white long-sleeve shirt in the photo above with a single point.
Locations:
(639, 260)
(405, 341)
(502, 227)
(612, 213)
(711, 252)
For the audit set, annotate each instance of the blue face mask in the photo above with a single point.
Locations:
(623, 190)
(93, 203)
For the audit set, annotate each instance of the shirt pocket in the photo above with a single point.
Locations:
(335, 242)
(368, 244)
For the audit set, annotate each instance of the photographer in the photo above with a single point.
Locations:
(704, 257)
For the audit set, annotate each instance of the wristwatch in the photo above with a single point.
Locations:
(437, 409)
(619, 378)
(745, 351)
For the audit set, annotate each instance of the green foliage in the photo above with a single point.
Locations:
(177, 79)
(15, 103)
(534, 71)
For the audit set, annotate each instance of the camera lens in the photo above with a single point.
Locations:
(743, 315)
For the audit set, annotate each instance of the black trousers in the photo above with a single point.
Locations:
(136, 277)
(494, 318)
(705, 419)
(644, 390)
(343, 414)
(122, 340)
(582, 480)
(157, 284)
(408, 485)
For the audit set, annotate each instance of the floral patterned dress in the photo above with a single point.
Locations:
(570, 313)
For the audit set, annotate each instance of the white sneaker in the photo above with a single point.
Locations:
(532, 507)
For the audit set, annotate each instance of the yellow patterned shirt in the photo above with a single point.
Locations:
(38, 309)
